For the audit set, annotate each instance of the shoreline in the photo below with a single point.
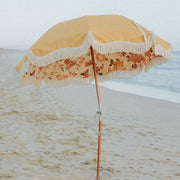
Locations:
(138, 95)
(143, 91)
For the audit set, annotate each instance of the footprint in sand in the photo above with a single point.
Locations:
(110, 169)
(74, 153)
(156, 149)
(86, 163)
(177, 174)
(141, 133)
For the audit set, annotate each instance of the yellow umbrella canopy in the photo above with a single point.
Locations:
(122, 48)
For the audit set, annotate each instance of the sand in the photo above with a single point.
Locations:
(51, 134)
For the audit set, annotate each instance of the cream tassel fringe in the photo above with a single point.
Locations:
(118, 46)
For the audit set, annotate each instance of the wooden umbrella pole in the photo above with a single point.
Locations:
(98, 113)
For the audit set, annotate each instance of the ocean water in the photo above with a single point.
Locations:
(160, 82)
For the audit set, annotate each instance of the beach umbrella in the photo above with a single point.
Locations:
(93, 47)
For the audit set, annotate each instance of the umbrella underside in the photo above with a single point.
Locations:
(80, 70)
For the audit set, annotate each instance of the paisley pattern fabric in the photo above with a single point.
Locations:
(82, 67)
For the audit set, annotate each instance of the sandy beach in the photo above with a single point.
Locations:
(52, 134)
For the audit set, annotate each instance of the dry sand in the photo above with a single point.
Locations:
(51, 134)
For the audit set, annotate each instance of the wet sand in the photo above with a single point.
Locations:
(52, 134)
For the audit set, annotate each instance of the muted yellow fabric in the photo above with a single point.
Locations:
(161, 42)
(104, 28)
(20, 64)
